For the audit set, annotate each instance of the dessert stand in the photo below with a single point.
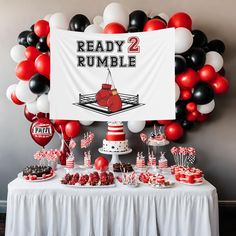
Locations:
(115, 155)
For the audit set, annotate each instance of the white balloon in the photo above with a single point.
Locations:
(86, 122)
(17, 53)
(97, 20)
(177, 92)
(49, 96)
(59, 21)
(115, 12)
(183, 39)
(136, 126)
(32, 107)
(164, 16)
(47, 17)
(93, 29)
(43, 103)
(23, 92)
(102, 25)
(206, 108)
(214, 59)
(10, 90)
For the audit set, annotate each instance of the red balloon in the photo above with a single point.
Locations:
(42, 115)
(220, 84)
(191, 106)
(72, 129)
(48, 40)
(42, 65)
(31, 53)
(207, 73)
(180, 19)
(164, 122)
(193, 116)
(15, 99)
(58, 128)
(41, 28)
(25, 70)
(29, 116)
(185, 94)
(154, 24)
(222, 71)
(61, 122)
(114, 28)
(174, 131)
(32, 117)
(42, 131)
(188, 79)
(203, 117)
(101, 163)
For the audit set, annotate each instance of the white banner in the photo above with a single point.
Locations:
(107, 77)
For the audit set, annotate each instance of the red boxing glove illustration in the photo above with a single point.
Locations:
(103, 95)
(114, 103)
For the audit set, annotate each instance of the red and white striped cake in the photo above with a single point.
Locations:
(115, 138)
(115, 132)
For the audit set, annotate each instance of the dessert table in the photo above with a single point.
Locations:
(50, 208)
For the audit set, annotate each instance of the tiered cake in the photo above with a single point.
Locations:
(115, 138)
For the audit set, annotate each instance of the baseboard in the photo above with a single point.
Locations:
(227, 203)
(3, 206)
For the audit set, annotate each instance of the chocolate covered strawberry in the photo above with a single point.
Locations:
(93, 179)
(83, 179)
(104, 178)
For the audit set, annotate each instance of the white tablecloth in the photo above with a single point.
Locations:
(51, 209)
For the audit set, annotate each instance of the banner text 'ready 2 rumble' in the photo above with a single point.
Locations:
(88, 53)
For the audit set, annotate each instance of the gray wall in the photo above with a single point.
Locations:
(215, 141)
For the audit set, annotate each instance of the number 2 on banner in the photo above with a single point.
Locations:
(134, 44)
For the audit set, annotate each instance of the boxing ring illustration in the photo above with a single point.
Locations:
(88, 101)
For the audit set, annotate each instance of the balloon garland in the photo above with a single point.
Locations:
(198, 67)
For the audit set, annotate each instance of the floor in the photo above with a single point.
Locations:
(227, 214)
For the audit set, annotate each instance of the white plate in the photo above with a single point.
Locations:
(84, 168)
(20, 175)
(195, 184)
(89, 186)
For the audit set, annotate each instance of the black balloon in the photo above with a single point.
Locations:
(180, 64)
(39, 84)
(196, 58)
(180, 110)
(22, 38)
(32, 39)
(187, 125)
(132, 29)
(216, 45)
(79, 23)
(160, 18)
(43, 40)
(42, 47)
(203, 93)
(137, 19)
(199, 38)
(32, 27)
